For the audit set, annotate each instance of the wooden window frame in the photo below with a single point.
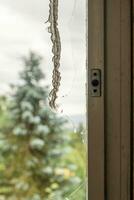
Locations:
(110, 116)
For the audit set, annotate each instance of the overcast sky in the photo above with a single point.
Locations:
(22, 29)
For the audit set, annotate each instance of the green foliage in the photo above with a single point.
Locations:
(77, 158)
(3, 111)
(36, 162)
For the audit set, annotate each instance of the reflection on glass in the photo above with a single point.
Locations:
(42, 152)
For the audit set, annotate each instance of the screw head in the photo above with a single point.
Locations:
(95, 82)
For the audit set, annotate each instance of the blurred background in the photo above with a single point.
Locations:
(42, 153)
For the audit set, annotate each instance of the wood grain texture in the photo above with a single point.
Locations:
(133, 94)
(113, 85)
(125, 98)
(118, 99)
(96, 104)
(110, 116)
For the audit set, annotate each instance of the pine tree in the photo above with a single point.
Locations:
(36, 141)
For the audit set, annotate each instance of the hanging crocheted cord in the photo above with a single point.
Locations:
(56, 50)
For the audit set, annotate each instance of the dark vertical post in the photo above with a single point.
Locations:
(96, 104)
(118, 98)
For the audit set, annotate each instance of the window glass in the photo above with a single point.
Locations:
(42, 151)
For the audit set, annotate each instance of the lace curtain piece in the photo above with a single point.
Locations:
(56, 50)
